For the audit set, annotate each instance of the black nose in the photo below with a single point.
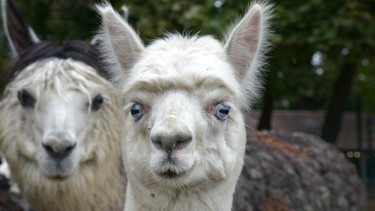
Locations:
(59, 151)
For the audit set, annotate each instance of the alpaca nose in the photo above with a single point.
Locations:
(171, 141)
(171, 134)
(60, 151)
(58, 146)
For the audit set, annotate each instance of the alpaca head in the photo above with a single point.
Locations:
(183, 99)
(52, 114)
(55, 108)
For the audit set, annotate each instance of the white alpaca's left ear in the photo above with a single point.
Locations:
(246, 46)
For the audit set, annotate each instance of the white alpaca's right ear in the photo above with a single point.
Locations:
(246, 47)
(121, 45)
(18, 33)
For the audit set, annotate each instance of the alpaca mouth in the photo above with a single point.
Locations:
(171, 169)
(170, 174)
(58, 174)
(58, 178)
(58, 169)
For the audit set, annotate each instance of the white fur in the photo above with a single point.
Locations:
(179, 82)
(90, 178)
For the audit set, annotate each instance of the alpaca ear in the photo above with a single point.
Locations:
(123, 12)
(120, 44)
(246, 46)
(19, 34)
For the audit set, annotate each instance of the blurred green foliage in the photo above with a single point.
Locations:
(311, 39)
(336, 32)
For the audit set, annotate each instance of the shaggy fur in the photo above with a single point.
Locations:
(74, 49)
(182, 149)
(96, 182)
(50, 103)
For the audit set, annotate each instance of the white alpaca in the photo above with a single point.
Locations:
(60, 124)
(183, 99)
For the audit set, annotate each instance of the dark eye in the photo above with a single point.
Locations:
(136, 111)
(97, 102)
(26, 99)
(222, 111)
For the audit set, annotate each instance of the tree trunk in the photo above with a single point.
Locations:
(266, 116)
(336, 106)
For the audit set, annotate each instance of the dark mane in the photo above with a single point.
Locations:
(75, 49)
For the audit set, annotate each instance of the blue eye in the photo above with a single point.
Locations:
(136, 111)
(222, 111)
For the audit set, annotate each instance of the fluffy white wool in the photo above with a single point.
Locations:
(180, 84)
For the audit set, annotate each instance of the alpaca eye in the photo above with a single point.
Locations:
(97, 102)
(136, 111)
(222, 111)
(25, 98)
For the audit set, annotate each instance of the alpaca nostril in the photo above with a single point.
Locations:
(157, 141)
(182, 140)
(58, 151)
